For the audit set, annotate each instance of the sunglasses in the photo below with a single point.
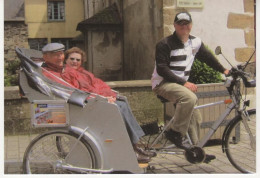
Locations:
(71, 58)
(183, 22)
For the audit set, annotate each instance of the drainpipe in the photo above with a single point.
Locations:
(86, 9)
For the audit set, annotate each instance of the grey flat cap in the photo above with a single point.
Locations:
(53, 47)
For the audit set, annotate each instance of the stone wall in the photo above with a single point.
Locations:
(144, 103)
(15, 34)
(245, 22)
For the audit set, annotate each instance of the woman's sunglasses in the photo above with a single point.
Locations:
(71, 58)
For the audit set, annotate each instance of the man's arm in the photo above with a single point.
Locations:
(162, 56)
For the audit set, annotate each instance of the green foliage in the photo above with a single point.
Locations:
(11, 73)
(201, 73)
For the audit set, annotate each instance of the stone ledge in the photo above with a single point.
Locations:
(11, 93)
(130, 83)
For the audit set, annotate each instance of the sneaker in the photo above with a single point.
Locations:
(142, 158)
(144, 152)
(175, 137)
(209, 158)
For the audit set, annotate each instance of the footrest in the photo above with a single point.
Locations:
(143, 165)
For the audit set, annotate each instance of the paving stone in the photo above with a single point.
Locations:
(228, 169)
(215, 163)
(208, 168)
(161, 171)
(191, 167)
(178, 170)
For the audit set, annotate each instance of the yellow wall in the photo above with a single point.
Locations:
(39, 27)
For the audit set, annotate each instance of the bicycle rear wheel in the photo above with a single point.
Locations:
(47, 150)
(239, 147)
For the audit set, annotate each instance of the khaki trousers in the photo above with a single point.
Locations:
(186, 119)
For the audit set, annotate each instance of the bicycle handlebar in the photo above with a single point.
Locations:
(237, 72)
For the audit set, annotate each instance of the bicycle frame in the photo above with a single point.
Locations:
(216, 124)
(245, 117)
(213, 128)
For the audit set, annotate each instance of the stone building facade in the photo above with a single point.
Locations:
(235, 18)
(246, 22)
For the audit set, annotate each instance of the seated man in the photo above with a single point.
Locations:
(175, 55)
(53, 55)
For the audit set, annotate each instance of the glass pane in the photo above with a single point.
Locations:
(67, 42)
(56, 10)
(37, 43)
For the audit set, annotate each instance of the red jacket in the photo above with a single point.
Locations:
(86, 81)
(51, 71)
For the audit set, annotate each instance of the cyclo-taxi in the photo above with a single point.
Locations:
(87, 134)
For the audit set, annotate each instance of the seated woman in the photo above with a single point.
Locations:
(80, 78)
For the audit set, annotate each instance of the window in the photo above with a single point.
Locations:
(67, 42)
(37, 43)
(56, 10)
